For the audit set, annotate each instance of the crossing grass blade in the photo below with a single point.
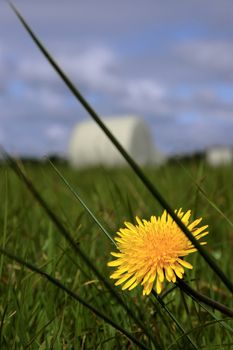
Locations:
(204, 299)
(73, 295)
(5, 221)
(221, 322)
(210, 323)
(81, 201)
(2, 322)
(205, 195)
(173, 318)
(138, 171)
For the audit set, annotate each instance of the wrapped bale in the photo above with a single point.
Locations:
(219, 155)
(89, 146)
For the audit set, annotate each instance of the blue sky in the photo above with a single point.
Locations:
(168, 62)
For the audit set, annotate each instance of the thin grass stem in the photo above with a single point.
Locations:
(210, 323)
(221, 321)
(179, 326)
(203, 298)
(204, 194)
(81, 201)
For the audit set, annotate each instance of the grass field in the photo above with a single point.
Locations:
(35, 314)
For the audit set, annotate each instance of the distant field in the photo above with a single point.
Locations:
(34, 314)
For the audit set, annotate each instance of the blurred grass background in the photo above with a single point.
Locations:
(36, 315)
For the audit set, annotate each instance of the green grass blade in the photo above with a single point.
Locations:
(30, 343)
(173, 318)
(81, 201)
(75, 296)
(2, 322)
(148, 184)
(221, 322)
(203, 298)
(204, 194)
(5, 221)
(210, 323)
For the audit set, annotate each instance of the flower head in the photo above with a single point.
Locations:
(152, 250)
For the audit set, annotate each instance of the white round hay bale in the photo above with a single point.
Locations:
(89, 146)
(219, 155)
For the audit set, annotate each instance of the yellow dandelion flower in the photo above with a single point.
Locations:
(152, 251)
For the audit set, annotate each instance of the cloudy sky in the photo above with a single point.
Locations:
(170, 62)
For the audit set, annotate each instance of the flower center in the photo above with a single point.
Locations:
(159, 244)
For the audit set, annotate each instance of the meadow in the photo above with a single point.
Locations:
(57, 226)
(36, 314)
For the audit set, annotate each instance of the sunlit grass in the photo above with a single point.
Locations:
(34, 312)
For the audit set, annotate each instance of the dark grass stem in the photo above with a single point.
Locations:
(2, 322)
(210, 323)
(169, 326)
(137, 170)
(31, 341)
(222, 322)
(203, 298)
(73, 295)
(204, 194)
(65, 233)
(179, 326)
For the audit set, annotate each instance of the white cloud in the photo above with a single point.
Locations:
(35, 69)
(97, 68)
(46, 99)
(94, 67)
(143, 94)
(210, 56)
